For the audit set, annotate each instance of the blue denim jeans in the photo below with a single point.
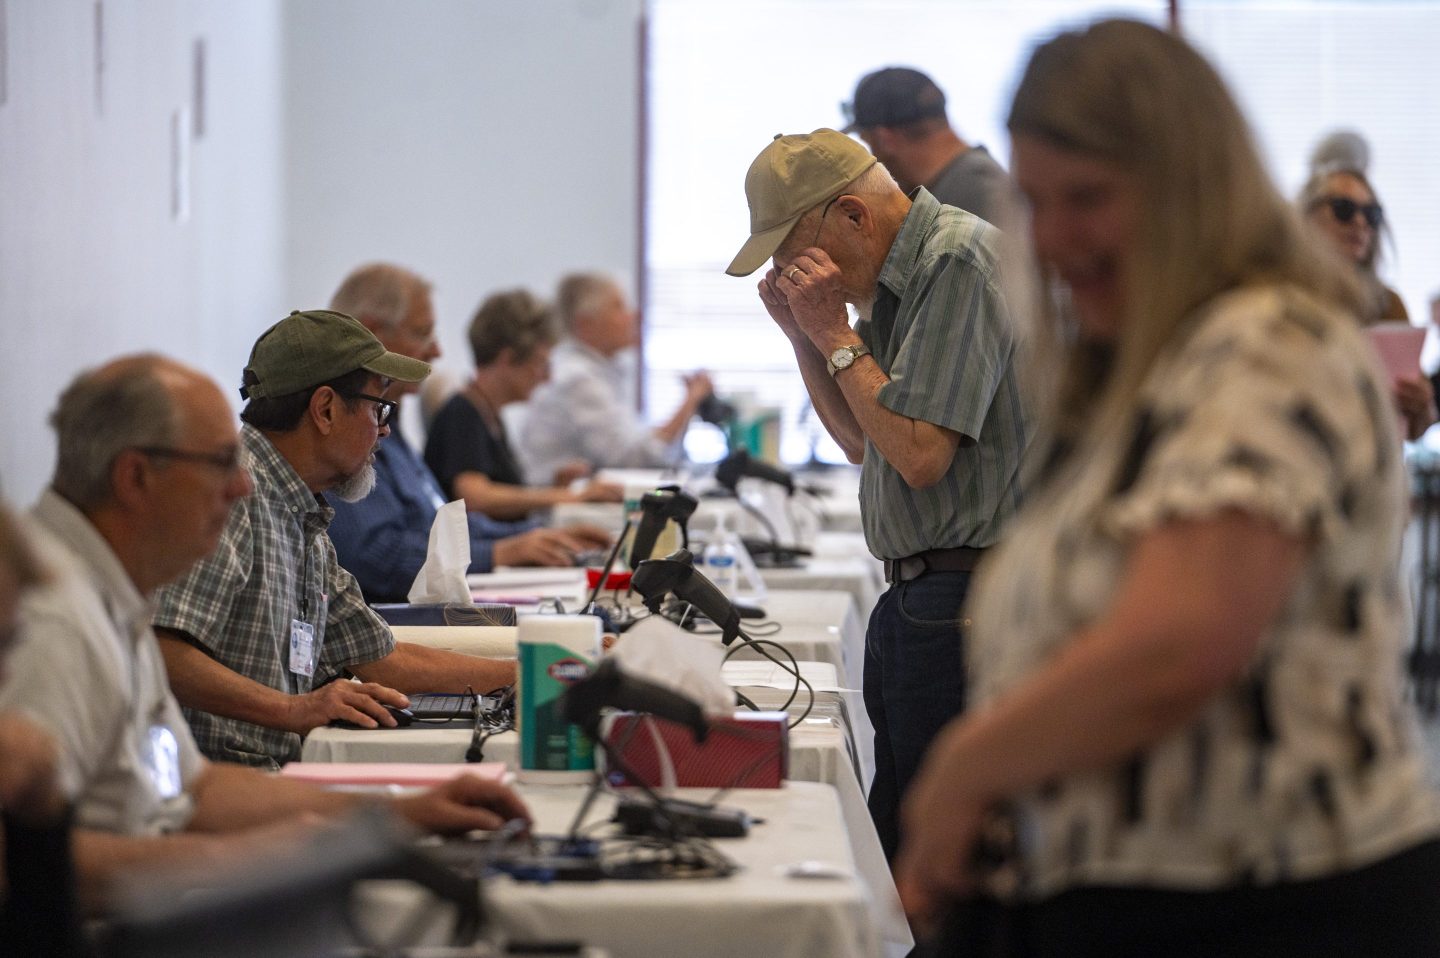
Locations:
(914, 684)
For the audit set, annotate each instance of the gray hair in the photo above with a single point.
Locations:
(381, 293)
(126, 404)
(581, 294)
(875, 181)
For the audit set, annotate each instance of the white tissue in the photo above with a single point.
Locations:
(447, 560)
(655, 651)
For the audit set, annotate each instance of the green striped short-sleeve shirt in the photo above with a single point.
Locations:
(941, 331)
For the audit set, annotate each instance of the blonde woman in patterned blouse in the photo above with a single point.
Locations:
(1190, 735)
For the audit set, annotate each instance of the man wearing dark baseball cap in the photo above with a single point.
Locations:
(260, 637)
(900, 114)
(921, 391)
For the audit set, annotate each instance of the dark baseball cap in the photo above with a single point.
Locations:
(892, 97)
(315, 346)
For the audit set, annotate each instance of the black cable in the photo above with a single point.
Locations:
(793, 668)
(491, 722)
(764, 521)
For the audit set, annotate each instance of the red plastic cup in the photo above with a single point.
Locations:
(614, 582)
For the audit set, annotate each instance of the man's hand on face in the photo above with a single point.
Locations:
(811, 286)
(776, 306)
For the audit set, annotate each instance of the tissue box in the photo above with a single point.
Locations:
(750, 750)
(446, 613)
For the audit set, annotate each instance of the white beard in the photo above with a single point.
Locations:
(358, 486)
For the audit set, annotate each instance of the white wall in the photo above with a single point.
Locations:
(92, 261)
(486, 145)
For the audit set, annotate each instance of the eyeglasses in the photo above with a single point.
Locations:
(821, 225)
(227, 461)
(1344, 210)
(384, 408)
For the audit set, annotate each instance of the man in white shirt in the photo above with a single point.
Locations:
(148, 470)
(587, 408)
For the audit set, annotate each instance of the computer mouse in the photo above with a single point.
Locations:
(402, 717)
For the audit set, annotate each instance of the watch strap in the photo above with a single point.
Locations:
(856, 351)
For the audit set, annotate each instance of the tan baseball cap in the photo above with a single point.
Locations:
(312, 347)
(790, 176)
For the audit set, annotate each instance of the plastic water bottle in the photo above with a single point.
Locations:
(720, 561)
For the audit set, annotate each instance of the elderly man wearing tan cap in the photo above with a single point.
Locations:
(253, 633)
(921, 391)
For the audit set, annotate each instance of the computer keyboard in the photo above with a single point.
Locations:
(435, 706)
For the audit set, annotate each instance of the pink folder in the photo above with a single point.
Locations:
(390, 773)
(1398, 345)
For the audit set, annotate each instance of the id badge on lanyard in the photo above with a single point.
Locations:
(160, 753)
(302, 648)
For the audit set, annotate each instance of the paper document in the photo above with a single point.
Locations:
(821, 675)
(1398, 345)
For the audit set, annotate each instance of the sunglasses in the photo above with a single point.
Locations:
(1344, 210)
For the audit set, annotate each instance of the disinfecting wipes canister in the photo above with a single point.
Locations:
(555, 651)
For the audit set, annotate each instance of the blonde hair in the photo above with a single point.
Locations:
(515, 320)
(1313, 193)
(1135, 97)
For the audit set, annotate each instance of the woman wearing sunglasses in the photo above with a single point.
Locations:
(1188, 735)
(1339, 202)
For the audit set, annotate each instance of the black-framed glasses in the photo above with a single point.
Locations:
(1344, 209)
(384, 408)
(227, 461)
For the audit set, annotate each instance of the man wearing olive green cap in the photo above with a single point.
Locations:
(253, 635)
(921, 391)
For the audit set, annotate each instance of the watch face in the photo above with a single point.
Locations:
(842, 357)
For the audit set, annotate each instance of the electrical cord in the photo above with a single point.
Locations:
(492, 721)
(793, 668)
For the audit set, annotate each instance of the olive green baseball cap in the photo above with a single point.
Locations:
(314, 346)
(791, 175)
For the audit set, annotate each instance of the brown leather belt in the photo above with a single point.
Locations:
(962, 559)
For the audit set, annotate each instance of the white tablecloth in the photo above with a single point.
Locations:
(820, 751)
(760, 911)
(836, 501)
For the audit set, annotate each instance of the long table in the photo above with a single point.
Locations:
(823, 749)
(817, 625)
(763, 910)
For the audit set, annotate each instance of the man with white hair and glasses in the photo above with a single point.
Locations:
(922, 392)
(586, 410)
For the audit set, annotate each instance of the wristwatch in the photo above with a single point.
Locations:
(845, 356)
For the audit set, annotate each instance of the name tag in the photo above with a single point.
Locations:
(302, 648)
(161, 753)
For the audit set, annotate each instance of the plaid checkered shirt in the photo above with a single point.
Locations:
(274, 566)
